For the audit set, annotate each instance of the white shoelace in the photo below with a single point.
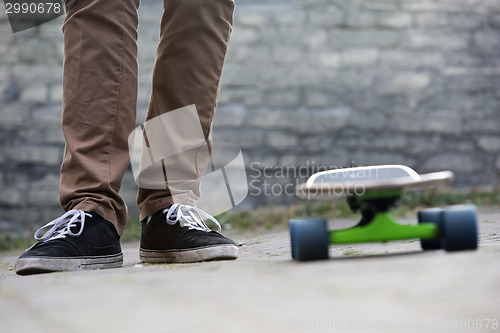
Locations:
(189, 216)
(61, 226)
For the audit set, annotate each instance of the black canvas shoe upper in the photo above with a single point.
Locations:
(180, 227)
(75, 234)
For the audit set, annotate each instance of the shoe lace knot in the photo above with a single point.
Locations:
(189, 216)
(62, 226)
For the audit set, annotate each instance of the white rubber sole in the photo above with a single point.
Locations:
(35, 265)
(221, 252)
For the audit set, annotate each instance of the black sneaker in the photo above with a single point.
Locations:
(76, 240)
(179, 235)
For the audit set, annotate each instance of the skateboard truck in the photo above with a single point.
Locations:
(370, 207)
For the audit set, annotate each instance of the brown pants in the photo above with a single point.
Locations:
(100, 92)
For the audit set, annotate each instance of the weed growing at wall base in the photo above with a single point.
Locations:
(277, 217)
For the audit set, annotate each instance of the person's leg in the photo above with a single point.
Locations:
(99, 108)
(194, 36)
(99, 104)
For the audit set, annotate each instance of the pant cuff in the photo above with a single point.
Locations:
(106, 213)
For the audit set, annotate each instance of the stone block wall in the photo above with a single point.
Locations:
(308, 84)
(329, 83)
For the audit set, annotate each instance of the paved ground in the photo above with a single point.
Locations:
(392, 287)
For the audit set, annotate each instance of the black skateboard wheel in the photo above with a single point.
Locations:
(309, 238)
(460, 230)
(431, 215)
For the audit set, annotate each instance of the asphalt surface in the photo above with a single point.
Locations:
(391, 287)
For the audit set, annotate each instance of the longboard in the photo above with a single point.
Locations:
(360, 180)
(374, 191)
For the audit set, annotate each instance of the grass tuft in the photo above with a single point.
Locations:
(275, 217)
(8, 243)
